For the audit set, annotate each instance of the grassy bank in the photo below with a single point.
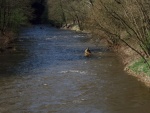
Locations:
(135, 66)
(140, 66)
(140, 70)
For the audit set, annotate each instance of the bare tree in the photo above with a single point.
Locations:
(115, 17)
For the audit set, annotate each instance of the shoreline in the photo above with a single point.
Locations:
(6, 42)
(127, 57)
(145, 79)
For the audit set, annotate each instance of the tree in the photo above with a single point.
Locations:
(114, 17)
(13, 14)
(67, 11)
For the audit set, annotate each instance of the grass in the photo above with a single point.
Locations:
(140, 67)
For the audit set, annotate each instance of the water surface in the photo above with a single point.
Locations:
(49, 74)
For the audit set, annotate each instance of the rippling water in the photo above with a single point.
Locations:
(49, 74)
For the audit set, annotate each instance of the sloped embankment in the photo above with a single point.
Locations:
(6, 42)
(134, 64)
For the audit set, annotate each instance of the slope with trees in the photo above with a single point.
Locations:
(13, 14)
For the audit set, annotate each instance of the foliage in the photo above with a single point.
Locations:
(123, 21)
(13, 14)
(67, 11)
(18, 18)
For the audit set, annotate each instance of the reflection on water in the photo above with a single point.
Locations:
(49, 74)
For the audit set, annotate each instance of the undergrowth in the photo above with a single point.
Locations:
(140, 67)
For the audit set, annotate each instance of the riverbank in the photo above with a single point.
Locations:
(71, 27)
(134, 65)
(6, 41)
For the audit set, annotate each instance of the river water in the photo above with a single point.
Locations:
(48, 73)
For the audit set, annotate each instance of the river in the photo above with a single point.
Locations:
(48, 73)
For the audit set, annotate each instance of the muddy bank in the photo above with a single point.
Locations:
(74, 27)
(140, 76)
(128, 56)
(6, 42)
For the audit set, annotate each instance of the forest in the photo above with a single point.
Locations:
(119, 22)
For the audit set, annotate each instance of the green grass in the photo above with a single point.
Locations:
(140, 67)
